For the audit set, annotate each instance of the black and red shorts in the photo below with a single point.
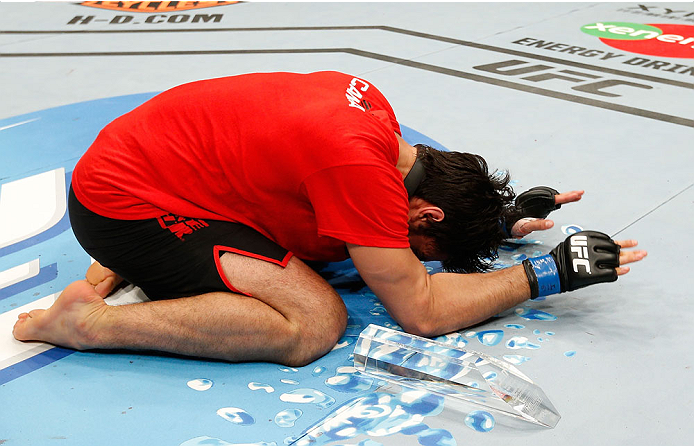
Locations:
(169, 256)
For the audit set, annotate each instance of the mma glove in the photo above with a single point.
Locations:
(583, 259)
(537, 202)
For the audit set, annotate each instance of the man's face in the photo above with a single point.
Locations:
(420, 216)
(424, 247)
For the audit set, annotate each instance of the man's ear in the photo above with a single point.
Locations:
(433, 213)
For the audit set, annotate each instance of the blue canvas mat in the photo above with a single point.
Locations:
(183, 400)
(543, 90)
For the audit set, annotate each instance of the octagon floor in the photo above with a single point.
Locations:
(530, 86)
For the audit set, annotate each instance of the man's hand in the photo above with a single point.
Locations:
(525, 226)
(626, 257)
(583, 259)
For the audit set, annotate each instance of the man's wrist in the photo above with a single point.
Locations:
(532, 278)
(543, 276)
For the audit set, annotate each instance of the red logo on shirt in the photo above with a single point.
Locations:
(180, 226)
(153, 6)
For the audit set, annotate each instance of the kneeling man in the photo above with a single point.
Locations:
(214, 197)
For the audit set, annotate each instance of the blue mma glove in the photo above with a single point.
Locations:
(583, 259)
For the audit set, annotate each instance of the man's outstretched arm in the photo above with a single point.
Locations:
(430, 305)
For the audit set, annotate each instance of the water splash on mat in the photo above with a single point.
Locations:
(480, 421)
(347, 380)
(515, 326)
(516, 359)
(381, 414)
(571, 229)
(490, 337)
(200, 384)
(261, 386)
(236, 416)
(288, 417)
(518, 342)
(535, 315)
(308, 396)
(289, 381)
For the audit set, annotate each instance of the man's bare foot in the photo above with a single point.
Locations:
(70, 322)
(103, 279)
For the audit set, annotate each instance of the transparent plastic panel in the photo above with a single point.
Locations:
(453, 372)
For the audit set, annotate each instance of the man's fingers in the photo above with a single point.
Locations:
(626, 243)
(568, 197)
(536, 225)
(631, 256)
(626, 257)
(525, 226)
(622, 270)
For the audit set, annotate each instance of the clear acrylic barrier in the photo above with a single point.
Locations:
(457, 374)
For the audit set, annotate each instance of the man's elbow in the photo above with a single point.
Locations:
(420, 327)
(420, 318)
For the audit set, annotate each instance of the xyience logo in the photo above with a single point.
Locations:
(154, 6)
(664, 40)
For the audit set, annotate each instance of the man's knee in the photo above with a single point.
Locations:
(314, 335)
(316, 316)
(312, 339)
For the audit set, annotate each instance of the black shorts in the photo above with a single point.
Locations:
(169, 256)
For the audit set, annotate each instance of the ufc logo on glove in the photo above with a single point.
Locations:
(579, 245)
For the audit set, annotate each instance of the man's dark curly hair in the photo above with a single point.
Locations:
(474, 203)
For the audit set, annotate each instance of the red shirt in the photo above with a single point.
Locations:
(308, 160)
